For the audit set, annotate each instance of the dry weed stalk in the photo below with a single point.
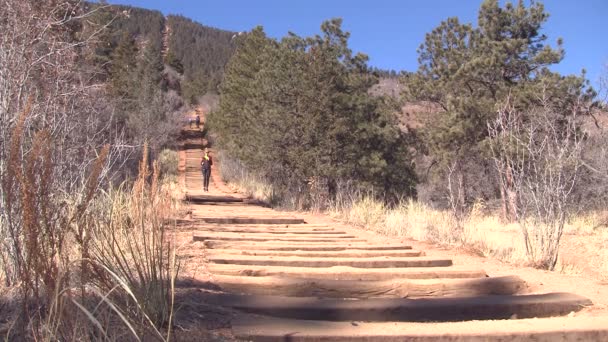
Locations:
(132, 248)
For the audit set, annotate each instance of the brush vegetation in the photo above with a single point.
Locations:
(84, 211)
(302, 119)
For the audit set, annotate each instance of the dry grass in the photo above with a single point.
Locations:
(583, 250)
(479, 231)
(236, 175)
(167, 162)
(97, 265)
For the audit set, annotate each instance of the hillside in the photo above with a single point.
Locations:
(197, 53)
(202, 51)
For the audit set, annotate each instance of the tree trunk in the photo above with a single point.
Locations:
(462, 190)
(508, 195)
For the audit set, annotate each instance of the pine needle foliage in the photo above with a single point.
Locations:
(298, 111)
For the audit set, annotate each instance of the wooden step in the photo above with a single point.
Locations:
(249, 220)
(267, 329)
(295, 261)
(279, 238)
(346, 272)
(303, 226)
(404, 310)
(393, 288)
(303, 246)
(203, 199)
(220, 212)
(239, 236)
(271, 231)
(320, 254)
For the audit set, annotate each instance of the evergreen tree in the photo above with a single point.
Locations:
(237, 88)
(299, 109)
(124, 68)
(99, 51)
(147, 116)
(469, 71)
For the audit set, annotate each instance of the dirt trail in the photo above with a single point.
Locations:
(165, 41)
(254, 273)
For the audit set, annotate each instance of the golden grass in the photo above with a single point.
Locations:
(239, 179)
(253, 188)
(484, 233)
(479, 231)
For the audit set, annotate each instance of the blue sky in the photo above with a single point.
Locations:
(389, 31)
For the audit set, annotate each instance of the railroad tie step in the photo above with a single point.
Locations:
(392, 288)
(268, 329)
(271, 231)
(301, 246)
(322, 254)
(203, 199)
(242, 236)
(302, 226)
(249, 220)
(296, 261)
(250, 239)
(444, 309)
(347, 272)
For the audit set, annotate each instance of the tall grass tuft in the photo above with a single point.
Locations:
(131, 256)
(93, 265)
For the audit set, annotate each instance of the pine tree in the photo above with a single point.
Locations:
(146, 118)
(237, 88)
(124, 67)
(299, 109)
(99, 51)
(468, 71)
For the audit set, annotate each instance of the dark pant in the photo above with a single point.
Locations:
(206, 176)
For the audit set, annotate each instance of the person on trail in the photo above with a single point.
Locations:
(198, 121)
(190, 122)
(206, 163)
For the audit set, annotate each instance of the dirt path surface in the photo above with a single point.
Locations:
(252, 273)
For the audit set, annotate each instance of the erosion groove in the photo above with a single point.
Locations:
(293, 280)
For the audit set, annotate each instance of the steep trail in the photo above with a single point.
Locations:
(165, 41)
(280, 276)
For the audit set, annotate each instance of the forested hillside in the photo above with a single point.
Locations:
(196, 53)
(201, 51)
(145, 24)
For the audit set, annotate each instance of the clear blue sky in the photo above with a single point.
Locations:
(389, 31)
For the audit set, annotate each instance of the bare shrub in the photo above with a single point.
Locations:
(603, 91)
(538, 161)
(81, 261)
(105, 255)
(58, 131)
